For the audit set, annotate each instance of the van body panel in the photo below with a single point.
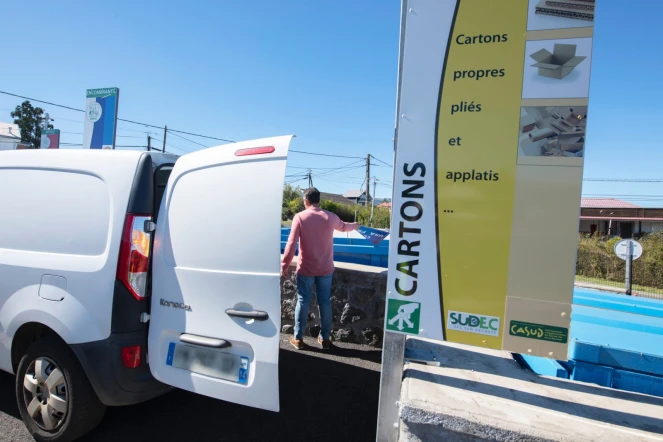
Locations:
(217, 258)
(63, 214)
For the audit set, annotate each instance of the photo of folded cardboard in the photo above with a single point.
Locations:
(559, 131)
(559, 63)
(571, 9)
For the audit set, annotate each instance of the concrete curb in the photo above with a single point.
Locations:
(481, 394)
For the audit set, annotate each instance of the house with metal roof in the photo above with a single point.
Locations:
(357, 196)
(613, 217)
(339, 199)
(10, 136)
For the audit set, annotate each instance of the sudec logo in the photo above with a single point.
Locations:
(467, 322)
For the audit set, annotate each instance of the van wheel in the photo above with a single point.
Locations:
(54, 397)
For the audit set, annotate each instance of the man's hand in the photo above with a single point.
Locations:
(355, 226)
(284, 273)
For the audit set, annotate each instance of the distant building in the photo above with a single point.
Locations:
(10, 136)
(357, 196)
(385, 205)
(339, 199)
(610, 216)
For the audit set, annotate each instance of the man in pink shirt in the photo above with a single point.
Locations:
(314, 229)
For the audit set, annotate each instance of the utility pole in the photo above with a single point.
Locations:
(310, 179)
(149, 143)
(368, 178)
(165, 132)
(373, 201)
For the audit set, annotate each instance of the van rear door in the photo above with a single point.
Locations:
(216, 309)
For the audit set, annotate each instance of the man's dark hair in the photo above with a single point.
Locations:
(312, 195)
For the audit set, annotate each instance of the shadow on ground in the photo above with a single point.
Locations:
(321, 399)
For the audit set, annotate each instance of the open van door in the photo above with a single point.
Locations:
(216, 304)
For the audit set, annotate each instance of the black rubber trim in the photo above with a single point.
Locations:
(125, 316)
(160, 187)
(114, 383)
(141, 199)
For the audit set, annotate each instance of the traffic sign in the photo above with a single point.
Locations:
(622, 248)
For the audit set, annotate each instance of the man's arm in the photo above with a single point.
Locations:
(290, 246)
(343, 226)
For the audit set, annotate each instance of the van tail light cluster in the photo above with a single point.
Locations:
(135, 255)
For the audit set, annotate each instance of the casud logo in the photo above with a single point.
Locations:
(175, 305)
(479, 324)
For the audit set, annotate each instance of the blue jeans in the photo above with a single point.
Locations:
(304, 293)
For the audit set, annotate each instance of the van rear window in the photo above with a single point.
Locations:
(53, 211)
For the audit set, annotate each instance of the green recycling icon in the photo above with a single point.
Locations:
(403, 316)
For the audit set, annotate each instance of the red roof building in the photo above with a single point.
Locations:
(385, 205)
(613, 217)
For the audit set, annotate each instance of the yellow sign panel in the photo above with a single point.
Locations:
(476, 168)
(490, 145)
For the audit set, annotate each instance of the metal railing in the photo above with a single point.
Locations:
(607, 271)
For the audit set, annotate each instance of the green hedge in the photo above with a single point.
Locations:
(293, 204)
(597, 259)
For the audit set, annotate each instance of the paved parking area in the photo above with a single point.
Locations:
(324, 397)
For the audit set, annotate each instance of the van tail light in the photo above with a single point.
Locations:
(135, 255)
(131, 356)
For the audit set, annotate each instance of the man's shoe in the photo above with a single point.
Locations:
(297, 343)
(324, 343)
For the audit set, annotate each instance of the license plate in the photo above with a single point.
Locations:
(208, 362)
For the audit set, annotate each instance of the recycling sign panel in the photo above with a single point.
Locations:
(492, 110)
(403, 316)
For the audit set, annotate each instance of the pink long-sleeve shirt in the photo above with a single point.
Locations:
(314, 229)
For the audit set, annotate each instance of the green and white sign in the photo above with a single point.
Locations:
(403, 316)
(471, 323)
(100, 118)
(540, 332)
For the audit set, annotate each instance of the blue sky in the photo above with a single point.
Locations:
(324, 70)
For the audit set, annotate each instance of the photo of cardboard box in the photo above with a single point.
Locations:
(559, 63)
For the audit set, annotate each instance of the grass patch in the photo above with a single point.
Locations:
(617, 285)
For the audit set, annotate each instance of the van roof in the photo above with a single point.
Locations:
(77, 157)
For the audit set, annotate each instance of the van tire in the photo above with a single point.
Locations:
(84, 411)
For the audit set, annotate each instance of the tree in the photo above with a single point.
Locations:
(29, 121)
(289, 194)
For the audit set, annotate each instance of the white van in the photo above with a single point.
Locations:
(126, 273)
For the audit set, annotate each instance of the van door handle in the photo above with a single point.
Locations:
(204, 341)
(255, 314)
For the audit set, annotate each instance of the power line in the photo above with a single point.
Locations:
(177, 148)
(307, 168)
(41, 101)
(80, 144)
(118, 136)
(119, 119)
(627, 180)
(198, 135)
(340, 180)
(347, 166)
(383, 162)
(175, 131)
(190, 141)
(300, 179)
(324, 154)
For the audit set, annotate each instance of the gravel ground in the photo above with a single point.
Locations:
(324, 397)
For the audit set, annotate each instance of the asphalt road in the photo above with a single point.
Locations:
(324, 397)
